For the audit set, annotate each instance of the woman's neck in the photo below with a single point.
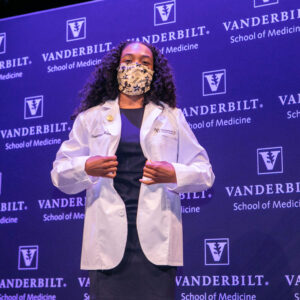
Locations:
(127, 101)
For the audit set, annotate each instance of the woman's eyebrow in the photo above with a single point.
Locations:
(147, 56)
(131, 54)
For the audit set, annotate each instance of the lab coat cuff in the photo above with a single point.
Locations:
(80, 173)
(176, 187)
(192, 178)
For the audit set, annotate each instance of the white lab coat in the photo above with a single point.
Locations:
(164, 136)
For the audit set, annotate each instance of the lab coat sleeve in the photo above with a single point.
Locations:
(68, 173)
(193, 170)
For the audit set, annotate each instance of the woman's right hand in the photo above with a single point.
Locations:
(101, 166)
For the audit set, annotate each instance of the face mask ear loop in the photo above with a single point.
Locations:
(118, 67)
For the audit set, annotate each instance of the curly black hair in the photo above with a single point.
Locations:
(103, 85)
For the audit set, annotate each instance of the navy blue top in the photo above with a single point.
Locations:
(131, 161)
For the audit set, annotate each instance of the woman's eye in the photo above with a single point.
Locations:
(146, 63)
(127, 61)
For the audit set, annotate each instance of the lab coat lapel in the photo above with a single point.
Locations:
(151, 112)
(112, 123)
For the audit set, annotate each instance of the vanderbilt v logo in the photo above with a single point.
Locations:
(269, 160)
(260, 3)
(76, 29)
(216, 251)
(2, 42)
(28, 257)
(33, 107)
(164, 12)
(214, 82)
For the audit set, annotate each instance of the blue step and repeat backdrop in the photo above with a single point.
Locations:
(237, 71)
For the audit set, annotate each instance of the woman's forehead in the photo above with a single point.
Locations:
(137, 48)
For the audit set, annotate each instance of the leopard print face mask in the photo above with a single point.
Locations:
(134, 78)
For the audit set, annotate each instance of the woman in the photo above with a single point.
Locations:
(133, 152)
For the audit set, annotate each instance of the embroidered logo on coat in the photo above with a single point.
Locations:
(166, 131)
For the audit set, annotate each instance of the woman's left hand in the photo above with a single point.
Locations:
(159, 172)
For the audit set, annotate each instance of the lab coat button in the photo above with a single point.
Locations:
(121, 213)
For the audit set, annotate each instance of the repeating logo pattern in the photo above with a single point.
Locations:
(33, 107)
(214, 82)
(216, 252)
(269, 160)
(164, 13)
(259, 3)
(76, 29)
(0, 183)
(2, 42)
(28, 257)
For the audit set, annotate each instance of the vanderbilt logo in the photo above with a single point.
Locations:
(216, 251)
(259, 3)
(165, 131)
(214, 82)
(2, 42)
(269, 160)
(33, 107)
(164, 13)
(28, 257)
(76, 29)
